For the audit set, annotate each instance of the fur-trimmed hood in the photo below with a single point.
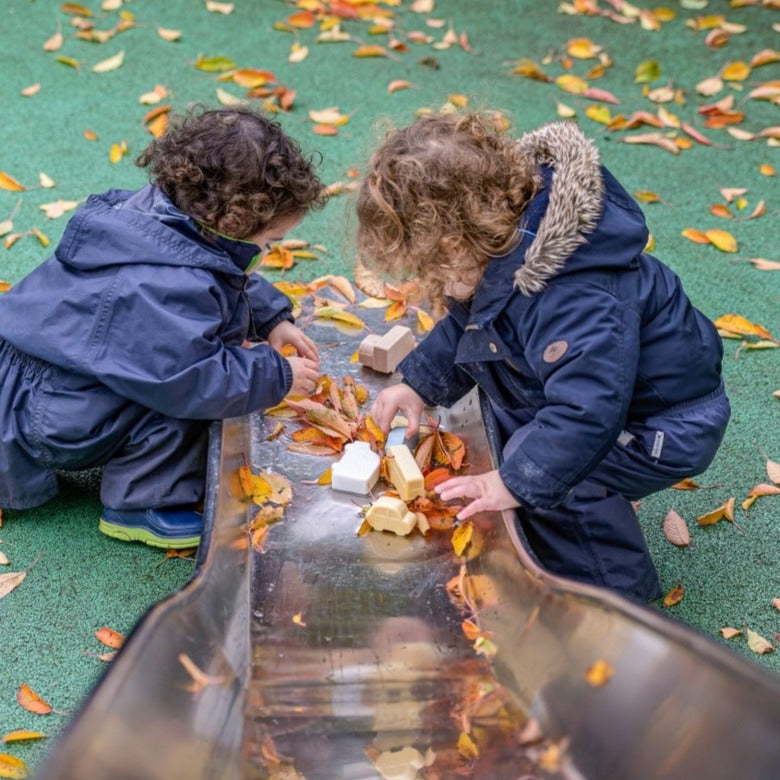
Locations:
(582, 215)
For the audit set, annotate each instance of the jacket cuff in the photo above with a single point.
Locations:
(283, 316)
(288, 376)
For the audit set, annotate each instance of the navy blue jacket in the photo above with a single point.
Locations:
(135, 297)
(578, 331)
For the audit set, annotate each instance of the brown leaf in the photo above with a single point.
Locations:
(676, 529)
(11, 580)
(773, 471)
(674, 596)
(32, 701)
(727, 632)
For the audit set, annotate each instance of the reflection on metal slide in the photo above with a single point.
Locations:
(333, 656)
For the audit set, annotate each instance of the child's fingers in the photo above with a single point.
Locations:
(457, 487)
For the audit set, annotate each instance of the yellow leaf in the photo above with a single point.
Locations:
(111, 63)
(582, 48)
(332, 313)
(735, 71)
(370, 50)
(22, 735)
(765, 169)
(598, 113)
(467, 747)
(461, 537)
(572, 84)
(722, 239)
(9, 183)
(69, 61)
(647, 71)
(598, 674)
(758, 644)
(12, 767)
(424, 321)
(710, 518)
(42, 237)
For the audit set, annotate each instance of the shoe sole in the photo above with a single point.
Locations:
(126, 534)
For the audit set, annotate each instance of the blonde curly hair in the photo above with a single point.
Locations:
(441, 198)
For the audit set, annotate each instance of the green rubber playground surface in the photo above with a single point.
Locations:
(450, 53)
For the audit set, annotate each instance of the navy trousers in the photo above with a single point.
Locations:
(594, 535)
(54, 420)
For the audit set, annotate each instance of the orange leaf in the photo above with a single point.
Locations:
(599, 674)
(721, 210)
(200, 679)
(252, 77)
(395, 311)
(31, 701)
(727, 632)
(109, 637)
(436, 477)
(9, 183)
(735, 326)
(278, 257)
(301, 19)
(321, 129)
(674, 596)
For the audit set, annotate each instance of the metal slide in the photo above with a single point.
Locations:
(337, 656)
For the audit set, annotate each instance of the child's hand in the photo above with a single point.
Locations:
(305, 375)
(288, 333)
(488, 491)
(398, 398)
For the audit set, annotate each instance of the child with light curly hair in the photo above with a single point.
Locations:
(121, 348)
(603, 379)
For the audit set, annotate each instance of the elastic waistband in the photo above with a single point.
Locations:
(33, 365)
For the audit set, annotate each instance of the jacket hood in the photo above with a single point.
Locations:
(122, 227)
(582, 217)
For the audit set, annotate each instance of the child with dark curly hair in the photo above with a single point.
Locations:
(120, 349)
(605, 382)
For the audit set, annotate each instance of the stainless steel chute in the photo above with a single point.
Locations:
(333, 655)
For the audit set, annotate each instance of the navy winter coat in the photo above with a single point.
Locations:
(578, 331)
(136, 298)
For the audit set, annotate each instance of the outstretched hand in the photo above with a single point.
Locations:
(488, 491)
(398, 398)
(288, 333)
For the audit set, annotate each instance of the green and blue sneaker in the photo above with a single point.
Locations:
(168, 528)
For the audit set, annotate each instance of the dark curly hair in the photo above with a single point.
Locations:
(441, 198)
(232, 170)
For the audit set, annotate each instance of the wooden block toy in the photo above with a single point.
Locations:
(358, 469)
(389, 513)
(404, 472)
(384, 353)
